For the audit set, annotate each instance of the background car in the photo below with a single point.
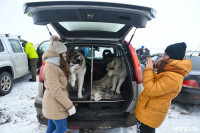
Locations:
(43, 46)
(190, 92)
(99, 26)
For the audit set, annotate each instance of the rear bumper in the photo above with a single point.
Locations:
(189, 96)
(74, 123)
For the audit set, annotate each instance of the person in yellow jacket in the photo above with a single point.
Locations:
(161, 87)
(33, 59)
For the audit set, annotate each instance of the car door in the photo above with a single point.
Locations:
(20, 59)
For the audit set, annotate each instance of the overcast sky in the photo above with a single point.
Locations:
(176, 21)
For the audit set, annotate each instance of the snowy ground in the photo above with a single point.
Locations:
(18, 115)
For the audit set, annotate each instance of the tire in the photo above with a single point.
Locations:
(6, 83)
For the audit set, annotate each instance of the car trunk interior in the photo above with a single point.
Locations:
(96, 61)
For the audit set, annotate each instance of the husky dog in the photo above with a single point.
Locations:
(117, 70)
(77, 66)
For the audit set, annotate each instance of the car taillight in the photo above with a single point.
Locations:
(138, 70)
(191, 84)
(75, 127)
(40, 74)
(196, 97)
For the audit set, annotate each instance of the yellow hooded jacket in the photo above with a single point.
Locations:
(159, 90)
(30, 50)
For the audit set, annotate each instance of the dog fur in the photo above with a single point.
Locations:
(77, 66)
(105, 82)
(117, 71)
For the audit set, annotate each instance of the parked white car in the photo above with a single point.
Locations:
(13, 62)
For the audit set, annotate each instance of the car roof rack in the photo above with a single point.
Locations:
(8, 35)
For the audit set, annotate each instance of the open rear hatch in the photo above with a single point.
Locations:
(89, 20)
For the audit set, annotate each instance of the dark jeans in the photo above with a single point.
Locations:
(57, 126)
(142, 128)
(33, 67)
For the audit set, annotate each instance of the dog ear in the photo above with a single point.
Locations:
(78, 57)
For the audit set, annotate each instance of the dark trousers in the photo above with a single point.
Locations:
(57, 126)
(142, 128)
(33, 67)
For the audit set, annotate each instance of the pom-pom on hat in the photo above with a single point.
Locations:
(176, 51)
(56, 46)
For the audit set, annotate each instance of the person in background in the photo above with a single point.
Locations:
(56, 105)
(146, 53)
(159, 89)
(140, 53)
(33, 58)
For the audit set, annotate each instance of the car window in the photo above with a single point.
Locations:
(1, 46)
(154, 57)
(16, 46)
(98, 51)
(158, 59)
(44, 46)
(195, 62)
(94, 26)
(102, 50)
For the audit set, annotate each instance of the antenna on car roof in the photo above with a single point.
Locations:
(132, 36)
(49, 31)
(194, 51)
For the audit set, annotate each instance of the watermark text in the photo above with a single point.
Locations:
(185, 129)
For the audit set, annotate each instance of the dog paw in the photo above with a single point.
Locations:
(73, 84)
(112, 89)
(80, 96)
(118, 92)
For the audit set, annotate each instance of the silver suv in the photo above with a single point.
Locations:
(13, 62)
(95, 27)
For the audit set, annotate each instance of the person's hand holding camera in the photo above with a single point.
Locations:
(149, 63)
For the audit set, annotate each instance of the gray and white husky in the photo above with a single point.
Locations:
(77, 66)
(117, 71)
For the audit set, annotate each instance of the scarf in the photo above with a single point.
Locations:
(53, 60)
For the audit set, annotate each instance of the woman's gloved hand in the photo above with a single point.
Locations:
(72, 111)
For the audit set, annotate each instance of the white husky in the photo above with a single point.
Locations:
(117, 70)
(77, 66)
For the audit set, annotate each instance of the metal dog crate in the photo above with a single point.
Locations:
(88, 85)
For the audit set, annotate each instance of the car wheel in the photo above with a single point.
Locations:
(6, 83)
